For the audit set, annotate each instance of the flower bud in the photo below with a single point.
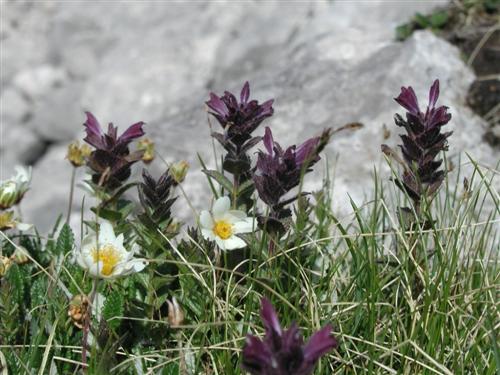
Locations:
(13, 189)
(19, 256)
(77, 310)
(148, 146)
(179, 170)
(7, 220)
(77, 154)
(172, 228)
(175, 313)
(5, 264)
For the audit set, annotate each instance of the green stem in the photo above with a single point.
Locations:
(71, 192)
(86, 328)
(236, 179)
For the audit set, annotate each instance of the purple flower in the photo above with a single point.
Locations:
(278, 171)
(110, 141)
(111, 160)
(283, 352)
(422, 143)
(239, 120)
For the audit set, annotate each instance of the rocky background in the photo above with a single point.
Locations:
(326, 64)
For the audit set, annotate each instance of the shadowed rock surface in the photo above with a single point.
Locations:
(326, 64)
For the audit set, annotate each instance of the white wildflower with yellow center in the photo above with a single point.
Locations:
(223, 224)
(104, 256)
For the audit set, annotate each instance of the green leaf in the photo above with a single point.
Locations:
(113, 307)
(65, 240)
(220, 178)
(107, 214)
(38, 292)
(244, 187)
(491, 5)
(403, 32)
(15, 279)
(439, 19)
(422, 21)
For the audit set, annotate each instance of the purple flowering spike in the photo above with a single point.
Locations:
(269, 317)
(422, 143)
(408, 100)
(133, 132)
(278, 171)
(268, 140)
(111, 157)
(282, 352)
(434, 94)
(94, 131)
(245, 93)
(218, 106)
(319, 344)
(239, 120)
(305, 151)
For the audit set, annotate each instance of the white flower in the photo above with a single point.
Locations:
(104, 256)
(223, 224)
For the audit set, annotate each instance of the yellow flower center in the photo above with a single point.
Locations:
(223, 229)
(109, 256)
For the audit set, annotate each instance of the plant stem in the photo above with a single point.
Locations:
(71, 192)
(86, 327)
(236, 180)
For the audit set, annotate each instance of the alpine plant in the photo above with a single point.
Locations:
(279, 170)
(156, 200)
(224, 225)
(283, 352)
(238, 120)
(104, 256)
(422, 143)
(111, 160)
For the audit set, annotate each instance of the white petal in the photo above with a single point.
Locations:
(87, 259)
(80, 261)
(233, 243)
(229, 218)
(244, 226)
(220, 242)
(139, 264)
(208, 234)
(23, 226)
(136, 249)
(206, 220)
(89, 242)
(126, 268)
(221, 206)
(238, 214)
(119, 241)
(98, 304)
(106, 233)
(96, 270)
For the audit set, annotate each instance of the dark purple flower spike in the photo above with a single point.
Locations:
(239, 120)
(282, 352)
(278, 171)
(111, 160)
(421, 144)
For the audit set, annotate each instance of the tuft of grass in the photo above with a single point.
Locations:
(393, 312)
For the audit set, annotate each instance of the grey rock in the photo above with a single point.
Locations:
(18, 145)
(39, 81)
(325, 63)
(14, 108)
(49, 194)
(59, 116)
(327, 92)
